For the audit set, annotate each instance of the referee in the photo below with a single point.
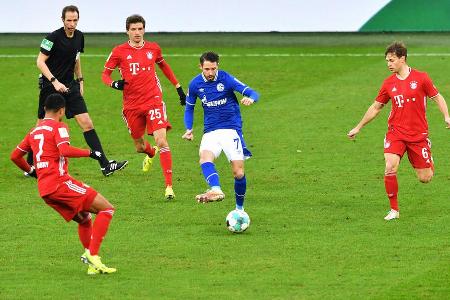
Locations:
(58, 60)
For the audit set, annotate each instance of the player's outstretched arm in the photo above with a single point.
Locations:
(68, 151)
(440, 101)
(370, 114)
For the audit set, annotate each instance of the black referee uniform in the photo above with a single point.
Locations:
(63, 52)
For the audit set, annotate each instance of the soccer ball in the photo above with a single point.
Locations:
(237, 221)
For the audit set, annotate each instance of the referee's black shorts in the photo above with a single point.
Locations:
(75, 104)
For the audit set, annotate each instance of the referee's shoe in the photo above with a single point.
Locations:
(113, 166)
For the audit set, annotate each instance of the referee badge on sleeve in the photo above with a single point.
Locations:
(46, 44)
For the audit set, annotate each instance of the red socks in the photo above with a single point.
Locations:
(149, 150)
(391, 184)
(165, 158)
(85, 232)
(99, 229)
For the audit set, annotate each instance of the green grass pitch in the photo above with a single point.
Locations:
(316, 199)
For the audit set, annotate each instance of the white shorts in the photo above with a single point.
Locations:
(226, 140)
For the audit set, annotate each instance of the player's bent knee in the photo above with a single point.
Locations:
(390, 170)
(238, 173)
(161, 142)
(82, 217)
(100, 203)
(425, 178)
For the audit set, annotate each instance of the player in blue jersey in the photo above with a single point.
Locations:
(222, 125)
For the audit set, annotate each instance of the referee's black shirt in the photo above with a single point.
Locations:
(62, 52)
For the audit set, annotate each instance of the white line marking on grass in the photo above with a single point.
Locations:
(253, 55)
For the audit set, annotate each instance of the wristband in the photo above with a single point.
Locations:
(52, 79)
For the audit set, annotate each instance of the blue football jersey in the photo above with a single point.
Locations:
(220, 105)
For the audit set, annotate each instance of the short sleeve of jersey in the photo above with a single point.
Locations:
(158, 54)
(61, 134)
(428, 86)
(25, 145)
(48, 43)
(82, 43)
(383, 96)
(113, 59)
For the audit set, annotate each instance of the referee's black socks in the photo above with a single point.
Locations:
(93, 141)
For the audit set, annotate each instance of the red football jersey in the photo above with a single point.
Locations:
(409, 102)
(137, 67)
(51, 167)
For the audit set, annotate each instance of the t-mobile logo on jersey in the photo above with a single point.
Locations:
(400, 101)
(134, 68)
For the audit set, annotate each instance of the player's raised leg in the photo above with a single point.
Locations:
(391, 184)
(143, 146)
(425, 175)
(104, 211)
(240, 182)
(214, 193)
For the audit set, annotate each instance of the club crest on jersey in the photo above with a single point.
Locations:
(413, 85)
(149, 55)
(220, 87)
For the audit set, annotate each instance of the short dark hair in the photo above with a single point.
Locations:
(133, 19)
(398, 48)
(209, 56)
(71, 8)
(54, 102)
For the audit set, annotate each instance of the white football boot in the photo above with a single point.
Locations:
(392, 214)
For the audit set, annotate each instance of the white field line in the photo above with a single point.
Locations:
(253, 55)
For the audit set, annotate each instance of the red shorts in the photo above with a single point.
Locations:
(150, 116)
(419, 153)
(71, 197)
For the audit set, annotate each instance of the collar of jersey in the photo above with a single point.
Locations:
(409, 69)
(215, 78)
(136, 47)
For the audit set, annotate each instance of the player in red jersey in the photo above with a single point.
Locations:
(143, 105)
(74, 200)
(407, 124)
